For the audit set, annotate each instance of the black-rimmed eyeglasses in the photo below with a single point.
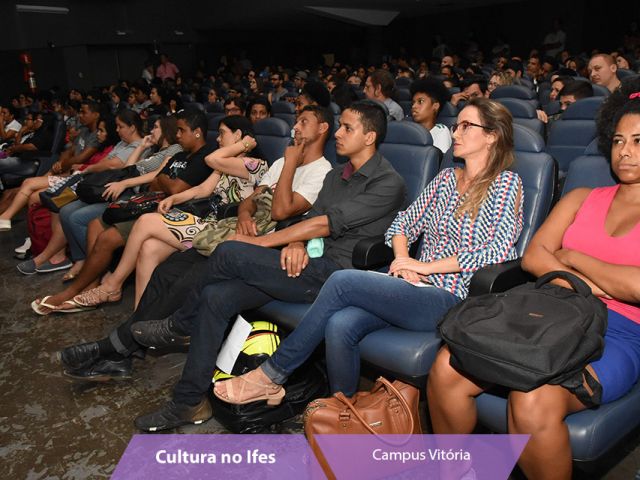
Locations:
(464, 126)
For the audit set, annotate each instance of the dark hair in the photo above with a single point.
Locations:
(323, 114)
(162, 93)
(93, 105)
(238, 122)
(614, 107)
(432, 88)
(130, 118)
(238, 102)
(578, 88)
(316, 92)
(110, 127)
(258, 101)
(479, 79)
(12, 110)
(169, 129)
(373, 118)
(121, 92)
(195, 118)
(515, 65)
(385, 80)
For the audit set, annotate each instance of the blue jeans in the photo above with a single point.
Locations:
(238, 277)
(75, 218)
(351, 305)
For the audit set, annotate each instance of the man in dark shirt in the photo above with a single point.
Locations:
(184, 170)
(357, 201)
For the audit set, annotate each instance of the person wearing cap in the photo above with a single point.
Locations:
(313, 93)
(299, 80)
(379, 87)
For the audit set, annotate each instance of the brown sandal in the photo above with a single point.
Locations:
(273, 393)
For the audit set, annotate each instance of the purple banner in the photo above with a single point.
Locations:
(446, 457)
(186, 457)
(283, 457)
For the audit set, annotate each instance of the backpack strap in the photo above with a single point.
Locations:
(590, 400)
(576, 282)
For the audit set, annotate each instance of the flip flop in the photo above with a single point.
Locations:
(38, 306)
(74, 307)
(68, 277)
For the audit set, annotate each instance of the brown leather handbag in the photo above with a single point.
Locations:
(389, 408)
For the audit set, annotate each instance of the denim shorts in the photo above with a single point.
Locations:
(619, 367)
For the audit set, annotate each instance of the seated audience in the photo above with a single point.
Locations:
(602, 71)
(482, 197)
(379, 86)
(9, 124)
(258, 109)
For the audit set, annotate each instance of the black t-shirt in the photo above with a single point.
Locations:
(190, 168)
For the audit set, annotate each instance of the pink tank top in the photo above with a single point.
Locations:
(587, 234)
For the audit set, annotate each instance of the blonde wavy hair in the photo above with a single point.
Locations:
(498, 120)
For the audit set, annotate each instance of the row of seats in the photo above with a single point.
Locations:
(408, 355)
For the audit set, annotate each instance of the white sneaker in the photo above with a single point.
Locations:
(22, 250)
(5, 225)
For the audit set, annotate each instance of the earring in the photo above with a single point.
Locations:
(197, 135)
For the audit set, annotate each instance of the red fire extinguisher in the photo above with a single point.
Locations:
(29, 75)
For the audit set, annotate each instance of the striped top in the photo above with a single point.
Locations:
(487, 239)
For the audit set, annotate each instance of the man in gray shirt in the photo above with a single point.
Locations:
(379, 87)
(357, 201)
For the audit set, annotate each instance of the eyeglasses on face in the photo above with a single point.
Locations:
(464, 126)
(232, 110)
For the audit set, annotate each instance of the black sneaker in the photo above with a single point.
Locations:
(102, 370)
(172, 415)
(79, 356)
(159, 334)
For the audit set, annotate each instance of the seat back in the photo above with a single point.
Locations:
(600, 91)
(195, 105)
(524, 113)
(285, 111)
(539, 176)
(513, 91)
(448, 114)
(573, 132)
(273, 136)
(409, 148)
(402, 94)
(59, 130)
(213, 121)
(590, 170)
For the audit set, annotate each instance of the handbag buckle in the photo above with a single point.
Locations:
(344, 416)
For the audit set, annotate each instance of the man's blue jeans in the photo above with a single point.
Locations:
(238, 277)
(351, 305)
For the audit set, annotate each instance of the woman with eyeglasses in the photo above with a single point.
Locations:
(468, 217)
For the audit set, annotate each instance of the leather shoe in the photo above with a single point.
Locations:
(79, 356)
(172, 415)
(159, 334)
(103, 370)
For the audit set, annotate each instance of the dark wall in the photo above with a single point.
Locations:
(82, 48)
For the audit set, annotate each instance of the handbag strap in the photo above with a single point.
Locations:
(576, 282)
(381, 382)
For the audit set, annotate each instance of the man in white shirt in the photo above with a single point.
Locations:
(428, 96)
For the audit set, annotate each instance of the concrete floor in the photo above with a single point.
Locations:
(54, 428)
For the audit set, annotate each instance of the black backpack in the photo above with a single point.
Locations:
(532, 335)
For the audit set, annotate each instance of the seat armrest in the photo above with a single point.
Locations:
(498, 278)
(371, 253)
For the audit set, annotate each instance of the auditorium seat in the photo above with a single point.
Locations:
(515, 91)
(273, 136)
(448, 114)
(285, 111)
(524, 113)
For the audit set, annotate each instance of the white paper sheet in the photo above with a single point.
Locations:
(233, 344)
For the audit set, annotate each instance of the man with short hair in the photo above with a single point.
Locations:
(574, 91)
(299, 80)
(234, 106)
(278, 87)
(357, 200)
(379, 87)
(472, 87)
(602, 71)
(295, 179)
(258, 109)
(428, 97)
(141, 94)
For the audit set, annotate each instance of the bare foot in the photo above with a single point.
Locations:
(246, 387)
